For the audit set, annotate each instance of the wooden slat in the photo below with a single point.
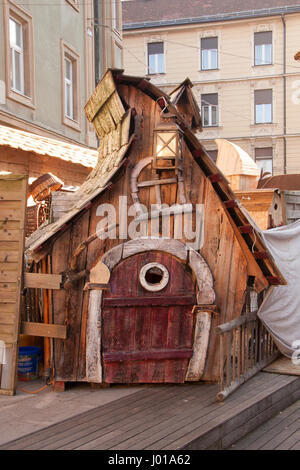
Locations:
(13, 196)
(142, 301)
(10, 235)
(42, 281)
(44, 330)
(148, 355)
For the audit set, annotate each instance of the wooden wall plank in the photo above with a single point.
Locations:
(13, 197)
(42, 281)
(44, 330)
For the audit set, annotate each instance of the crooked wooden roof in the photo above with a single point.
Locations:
(232, 160)
(40, 145)
(112, 122)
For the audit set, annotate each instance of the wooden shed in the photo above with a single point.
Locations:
(144, 307)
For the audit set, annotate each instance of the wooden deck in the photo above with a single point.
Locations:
(172, 417)
(279, 433)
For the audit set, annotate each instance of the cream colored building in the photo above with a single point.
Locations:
(241, 63)
(52, 55)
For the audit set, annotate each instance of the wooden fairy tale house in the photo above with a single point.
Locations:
(140, 300)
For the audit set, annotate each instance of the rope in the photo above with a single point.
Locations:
(36, 391)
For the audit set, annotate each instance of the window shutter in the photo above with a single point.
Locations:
(264, 37)
(209, 43)
(210, 99)
(263, 97)
(266, 152)
(155, 48)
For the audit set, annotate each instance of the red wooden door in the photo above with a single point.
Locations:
(147, 336)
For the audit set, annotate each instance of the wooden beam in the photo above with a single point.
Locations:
(42, 281)
(162, 301)
(152, 355)
(95, 286)
(44, 330)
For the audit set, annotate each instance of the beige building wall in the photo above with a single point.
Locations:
(235, 80)
(52, 30)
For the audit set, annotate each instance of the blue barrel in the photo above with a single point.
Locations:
(29, 363)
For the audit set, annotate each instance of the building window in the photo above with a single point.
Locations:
(263, 106)
(156, 62)
(210, 111)
(264, 159)
(209, 53)
(16, 55)
(263, 48)
(19, 54)
(71, 88)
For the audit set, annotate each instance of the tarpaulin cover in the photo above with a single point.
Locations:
(280, 310)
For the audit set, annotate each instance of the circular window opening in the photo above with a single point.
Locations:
(154, 277)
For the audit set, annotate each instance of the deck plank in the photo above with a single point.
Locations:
(172, 417)
(274, 433)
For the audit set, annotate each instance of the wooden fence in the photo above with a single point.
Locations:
(246, 347)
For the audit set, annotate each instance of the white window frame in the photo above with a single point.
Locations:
(156, 61)
(70, 86)
(209, 59)
(25, 94)
(15, 49)
(263, 55)
(210, 108)
(69, 90)
(264, 113)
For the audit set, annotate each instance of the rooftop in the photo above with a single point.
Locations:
(150, 13)
(28, 142)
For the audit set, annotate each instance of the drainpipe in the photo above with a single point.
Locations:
(284, 93)
(97, 39)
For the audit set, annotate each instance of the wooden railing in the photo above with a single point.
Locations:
(246, 347)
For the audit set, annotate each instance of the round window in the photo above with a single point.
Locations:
(154, 277)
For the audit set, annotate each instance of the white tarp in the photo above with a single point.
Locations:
(280, 310)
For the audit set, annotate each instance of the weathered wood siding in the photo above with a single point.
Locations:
(221, 249)
(13, 196)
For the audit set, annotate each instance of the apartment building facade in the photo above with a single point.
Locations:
(239, 56)
(52, 55)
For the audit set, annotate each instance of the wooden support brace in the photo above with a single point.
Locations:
(42, 281)
(230, 204)
(205, 308)
(143, 85)
(246, 229)
(95, 286)
(162, 102)
(44, 330)
(274, 281)
(261, 255)
(59, 386)
(215, 178)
